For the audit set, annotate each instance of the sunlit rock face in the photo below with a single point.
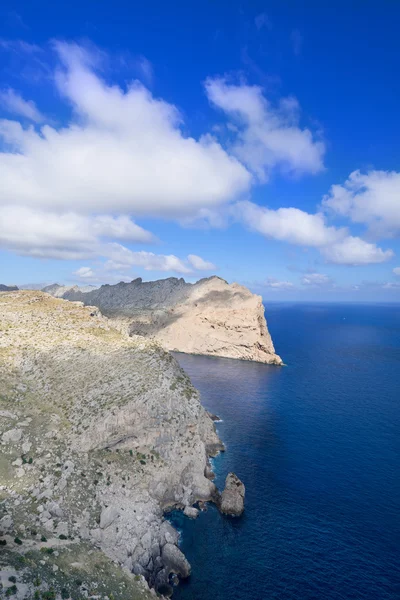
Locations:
(209, 317)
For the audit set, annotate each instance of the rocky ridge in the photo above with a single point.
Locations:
(209, 317)
(8, 288)
(100, 433)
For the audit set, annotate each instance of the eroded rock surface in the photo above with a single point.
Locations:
(100, 432)
(209, 317)
(232, 498)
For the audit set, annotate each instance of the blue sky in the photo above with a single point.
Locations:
(254, 140)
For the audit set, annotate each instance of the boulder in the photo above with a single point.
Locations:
(191, 512)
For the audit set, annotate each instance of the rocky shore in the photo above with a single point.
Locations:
(100, 433)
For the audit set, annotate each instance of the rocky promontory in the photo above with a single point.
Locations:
(100, 433)
(209, 317)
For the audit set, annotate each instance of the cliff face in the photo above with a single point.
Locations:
(99, 432)
(209, 317)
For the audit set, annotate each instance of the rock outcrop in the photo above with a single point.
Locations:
(100, 433)
(209, 317)
(232, 498)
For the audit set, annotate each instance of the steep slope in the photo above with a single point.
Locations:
(209, 317)
(100, 432)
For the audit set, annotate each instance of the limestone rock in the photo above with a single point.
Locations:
(209, 317)
(117, 434)
(191, 512)
(12, 436)
(232, 498)
(108, 516)
(175, 560)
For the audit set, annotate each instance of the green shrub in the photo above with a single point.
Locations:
(11, 591)
(18, 541)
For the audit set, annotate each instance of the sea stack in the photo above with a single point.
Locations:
(232, 498)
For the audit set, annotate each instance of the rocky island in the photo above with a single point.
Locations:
(209, 317)
(100, 433)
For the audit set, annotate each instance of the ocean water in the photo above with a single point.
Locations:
(317, 444)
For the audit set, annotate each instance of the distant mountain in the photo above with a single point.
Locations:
(8, 288)
(60, 291)
(209, 317)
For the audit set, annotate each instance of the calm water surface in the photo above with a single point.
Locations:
(317, 444)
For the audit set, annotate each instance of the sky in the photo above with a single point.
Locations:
(254, 140)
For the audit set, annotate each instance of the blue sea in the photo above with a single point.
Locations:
(317, 444)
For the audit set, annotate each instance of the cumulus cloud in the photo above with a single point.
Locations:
(289, 225)
(123, 151)
(13, 103)
(371, 198)
(396, 271)
(355, 251)
(122, 257)
(200, 264)
(304, 229)
(266, 136)
(45, 234)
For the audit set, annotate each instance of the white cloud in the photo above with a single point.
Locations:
(44, 234)
(275, 284)
(14, 104)
(355, 251)
(124, 151)
(396, 271)
(371, 198)
(391, 285)
(200, 264)
(266, 136)
(315, 279)
(85, 273)
(304, 229)
(289, 225)
(122, 257)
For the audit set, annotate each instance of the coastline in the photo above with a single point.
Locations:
(110, 467)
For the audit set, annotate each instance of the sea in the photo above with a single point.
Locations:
(317, 445)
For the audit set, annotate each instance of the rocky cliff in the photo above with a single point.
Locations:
(209, 317)
(100, 433)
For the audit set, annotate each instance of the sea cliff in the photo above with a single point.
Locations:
(100, 433)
